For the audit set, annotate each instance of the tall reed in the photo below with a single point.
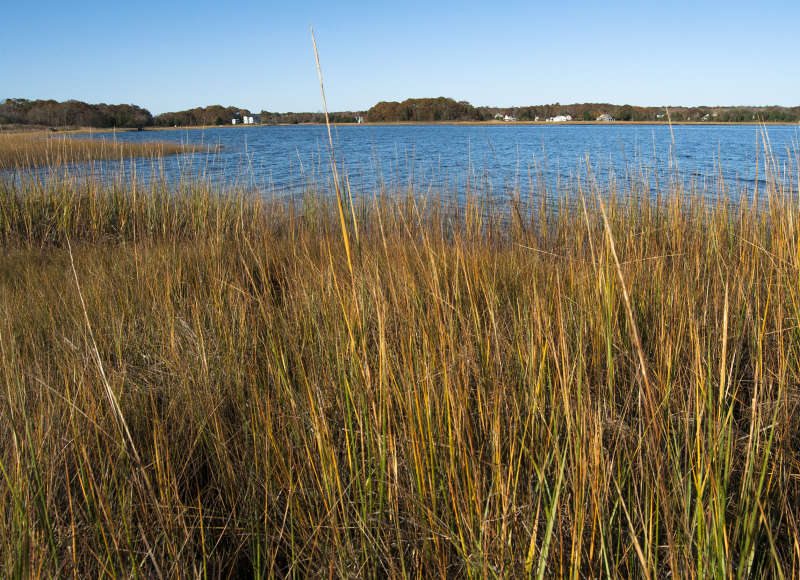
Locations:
(199, 382)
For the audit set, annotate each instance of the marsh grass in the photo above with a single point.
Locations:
(208, 383)
(23, 150)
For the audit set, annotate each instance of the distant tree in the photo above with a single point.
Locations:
(73, 113)
(438, 109)
(625, 113)
(211, 115)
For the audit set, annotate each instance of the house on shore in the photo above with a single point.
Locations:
(505, 118)
(246, 120)
(559, 119)
(605, 118)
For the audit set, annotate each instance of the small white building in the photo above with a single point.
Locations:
(246, 120)
(605, 118)
(505, 118)
(559, 119)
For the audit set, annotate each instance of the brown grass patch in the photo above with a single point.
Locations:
(39, 149)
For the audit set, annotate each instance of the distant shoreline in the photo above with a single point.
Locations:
(47, 131)
(49, 115)
(467, 123)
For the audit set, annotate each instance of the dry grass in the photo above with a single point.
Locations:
(19, 150)
(218, 389)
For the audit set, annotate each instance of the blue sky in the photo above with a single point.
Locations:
(169, 56)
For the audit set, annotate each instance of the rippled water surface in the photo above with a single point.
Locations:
(500, 159)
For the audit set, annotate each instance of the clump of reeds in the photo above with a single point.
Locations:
(203, 382)
(19, 150)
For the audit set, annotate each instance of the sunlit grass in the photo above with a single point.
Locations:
(19, 150)
(198, 382)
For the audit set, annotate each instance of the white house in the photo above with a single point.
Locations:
(246, 120)
(605, 118)
(559, 119)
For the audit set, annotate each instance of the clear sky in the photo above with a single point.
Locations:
(169, 56)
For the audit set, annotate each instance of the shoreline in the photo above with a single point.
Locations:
(50, 131)
(474, 123)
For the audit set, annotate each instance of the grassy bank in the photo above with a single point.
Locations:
(196, 383)
(34, 149)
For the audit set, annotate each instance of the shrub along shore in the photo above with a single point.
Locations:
(198, 381)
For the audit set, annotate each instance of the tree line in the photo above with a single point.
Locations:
(271, 118)
(425, 110)
(212, 115)
(52, 113)
(591, 111)
(444, 109)
(73, 113)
